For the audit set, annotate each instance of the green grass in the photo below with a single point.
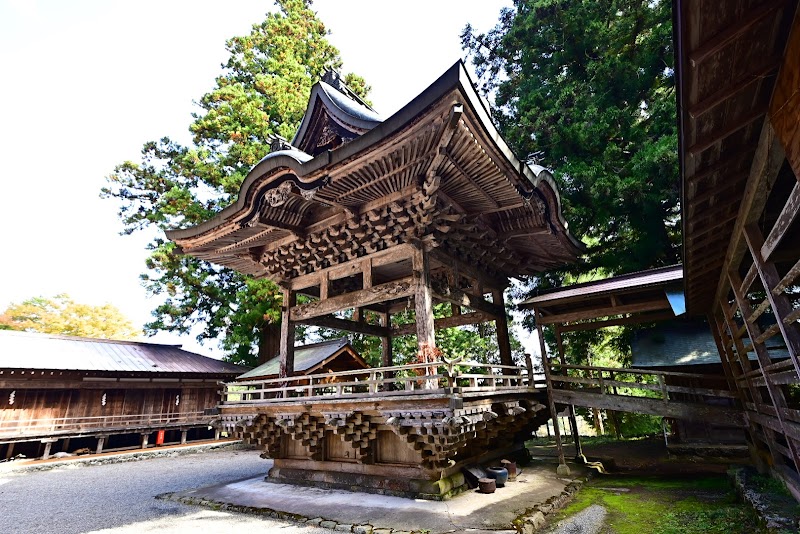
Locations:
(663, 505)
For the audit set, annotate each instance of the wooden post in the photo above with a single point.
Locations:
(423, 306)
(100, 442)
(184, 434)
(47, 445)
(563, 469)
(10, 450)
(287, 335)
(386, 344)
(573, 422)
(65, 445)
(145, 439)
(501, 324)
(216, 435)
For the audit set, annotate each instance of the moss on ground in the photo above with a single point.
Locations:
(705, 505)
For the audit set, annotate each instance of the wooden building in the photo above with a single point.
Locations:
(59, 393)
(383, 216)
(326, 357)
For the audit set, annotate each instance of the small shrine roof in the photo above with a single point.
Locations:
(308, 358)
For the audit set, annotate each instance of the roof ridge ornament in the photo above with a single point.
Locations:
(335, 79)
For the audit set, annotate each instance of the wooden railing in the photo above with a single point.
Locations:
(635, 382)
(413, 379)
(25, 427)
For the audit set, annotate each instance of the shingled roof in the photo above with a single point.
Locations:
(34, 351)
(309, 358)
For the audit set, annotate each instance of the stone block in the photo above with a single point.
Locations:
(366, 529)
(328, 524)
(341, 527)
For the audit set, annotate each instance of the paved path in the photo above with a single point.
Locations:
(119, 497)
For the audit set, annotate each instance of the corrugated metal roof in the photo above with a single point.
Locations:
(642, 279)
(681, 343)
(28, 350)
(305, 358)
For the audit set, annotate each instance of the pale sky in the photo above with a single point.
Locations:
(85, 83)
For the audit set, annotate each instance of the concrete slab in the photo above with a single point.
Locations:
(470, 511)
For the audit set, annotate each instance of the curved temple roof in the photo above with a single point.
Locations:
(436, 172)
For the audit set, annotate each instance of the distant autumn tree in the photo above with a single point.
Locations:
(62, 315)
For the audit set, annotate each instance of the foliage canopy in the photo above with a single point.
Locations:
(261, 93)
(62, 315)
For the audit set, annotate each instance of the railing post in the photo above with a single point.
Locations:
(664, 392)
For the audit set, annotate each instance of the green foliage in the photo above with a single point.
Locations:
(262, 92)
(587, 88)
(62, 315)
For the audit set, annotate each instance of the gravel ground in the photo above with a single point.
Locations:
(120, 497)
(588, 521)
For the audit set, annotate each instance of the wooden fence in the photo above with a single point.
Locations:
(27, 427)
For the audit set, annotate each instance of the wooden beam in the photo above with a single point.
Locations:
(730, 183)
(677, 410)
(486, 281)
(355, 266)
(501, 325)
(785, 220)
(287, 334)
(329, 321)
(386, 341)
(374, 295)
(445, 322)
(722, 133)
(624, 309)
(461, 298)
(464, 174)
(635, 319)
(711, 101)
(733, 31)
(423, 300)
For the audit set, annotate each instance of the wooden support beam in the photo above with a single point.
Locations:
(359, 327)
(486, 281)
(353, 267)
(445, 322)
(572, 421)
(770, 68)
(386, 341)
(634, 319)
(678, 410)
(624, 309)
(785, 220)
(733, 31)
(464, 174)
(501, 325)
(550, 397)
(287, 334)
(423, 299)
(779, 303)
(365, 297)
(719, 135)
(461, 298)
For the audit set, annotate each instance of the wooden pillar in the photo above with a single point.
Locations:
(65, 445)
(501, 325)
(101, 440)
(10, 450)
(423, 307)
(287, 334)
(184, 434)
(573, 422)
(216, 435)
(386, 341)
(145, 439)
(48, 444)
(563, 469)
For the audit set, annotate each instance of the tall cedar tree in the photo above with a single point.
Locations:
(262, 92)
(587, 89)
